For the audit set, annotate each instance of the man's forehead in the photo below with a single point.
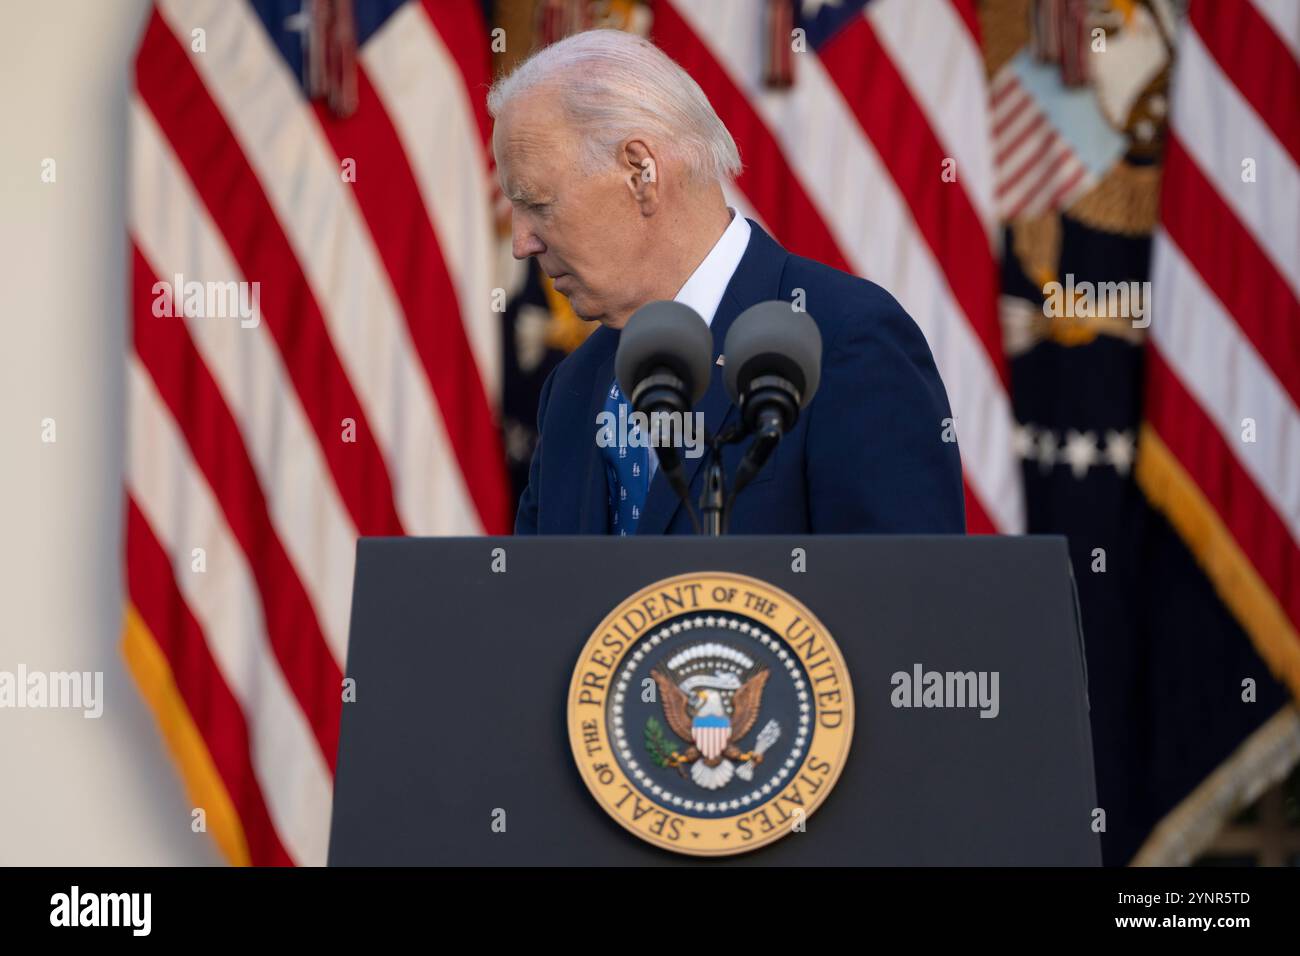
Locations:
(534, 121)
(527, 147)
(521, 174)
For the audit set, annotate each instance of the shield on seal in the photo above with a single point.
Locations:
(711, 734)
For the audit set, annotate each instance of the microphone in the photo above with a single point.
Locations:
(663, 364)
(774, 361)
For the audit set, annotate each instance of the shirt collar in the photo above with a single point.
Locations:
(704, 289)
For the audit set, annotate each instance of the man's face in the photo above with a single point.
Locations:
(582, 228)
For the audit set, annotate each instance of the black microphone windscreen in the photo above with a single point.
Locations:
(665, 335)
(772, 338)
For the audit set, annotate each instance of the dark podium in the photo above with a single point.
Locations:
(463, 673)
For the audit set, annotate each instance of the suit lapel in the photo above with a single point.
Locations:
(757, 278)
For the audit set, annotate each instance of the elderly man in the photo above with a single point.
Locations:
(613, 160)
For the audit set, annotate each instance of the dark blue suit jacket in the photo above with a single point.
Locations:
(867, 454)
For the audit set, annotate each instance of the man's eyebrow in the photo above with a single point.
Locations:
(526, 196)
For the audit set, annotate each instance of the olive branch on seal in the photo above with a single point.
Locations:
(658, 743)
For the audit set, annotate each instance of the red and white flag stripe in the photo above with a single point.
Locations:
(1224, 373)
(361, 401)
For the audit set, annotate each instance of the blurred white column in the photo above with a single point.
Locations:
(72, 790)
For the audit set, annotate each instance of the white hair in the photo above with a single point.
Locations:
(613, 85)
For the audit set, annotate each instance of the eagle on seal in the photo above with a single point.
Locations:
(700, 719)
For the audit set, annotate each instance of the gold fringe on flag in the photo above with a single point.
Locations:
(1170, 489)
(203, 784)
(1268, 755)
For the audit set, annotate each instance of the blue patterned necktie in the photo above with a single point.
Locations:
(627, 469)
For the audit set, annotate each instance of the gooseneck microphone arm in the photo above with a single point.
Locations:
(769, 434)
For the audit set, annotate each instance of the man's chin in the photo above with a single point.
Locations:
(589, 311)
(584, 310)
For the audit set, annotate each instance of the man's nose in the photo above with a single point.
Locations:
(525, 242)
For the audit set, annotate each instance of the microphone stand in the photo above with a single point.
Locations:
(715, 504)
(713, 498)
(715, 501)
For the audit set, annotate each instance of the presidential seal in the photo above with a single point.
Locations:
(710, 714)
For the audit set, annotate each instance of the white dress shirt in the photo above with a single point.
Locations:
(704, 289)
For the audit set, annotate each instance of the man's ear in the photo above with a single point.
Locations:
(641, 174)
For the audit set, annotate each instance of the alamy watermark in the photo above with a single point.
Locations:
(955, 689)
(682, 430)
(133, 911)
(1114, 300)
(55, 690)
(209, 300)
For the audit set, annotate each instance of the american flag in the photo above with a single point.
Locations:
(1218, 452)
(361, 401)
(336, 154)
